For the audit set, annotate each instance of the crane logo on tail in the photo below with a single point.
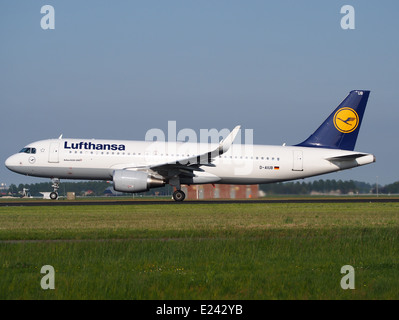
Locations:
(346, 120)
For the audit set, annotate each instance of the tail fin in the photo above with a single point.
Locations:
(341, 128)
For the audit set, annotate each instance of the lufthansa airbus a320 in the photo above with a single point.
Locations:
(137, 166)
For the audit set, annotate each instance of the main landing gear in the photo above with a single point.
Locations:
(179, 195)
(56, 186)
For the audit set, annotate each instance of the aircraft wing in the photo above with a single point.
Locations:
(186, 166)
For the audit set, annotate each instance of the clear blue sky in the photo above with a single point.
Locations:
(115, 69)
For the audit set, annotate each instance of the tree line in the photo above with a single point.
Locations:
(318, 187)
(100, 188)
(81, 188)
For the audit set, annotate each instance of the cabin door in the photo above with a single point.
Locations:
(298, 161)
(53, 155)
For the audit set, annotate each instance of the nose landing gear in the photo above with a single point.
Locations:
(56, 186)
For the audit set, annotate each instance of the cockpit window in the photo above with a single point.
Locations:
(28, 150)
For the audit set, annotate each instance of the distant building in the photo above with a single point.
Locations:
(221, 191)
(3, 189)
(208, 191)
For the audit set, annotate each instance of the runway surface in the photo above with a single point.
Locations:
(46, 203)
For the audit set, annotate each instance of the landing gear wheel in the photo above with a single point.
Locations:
(53, 195)
(179, 195)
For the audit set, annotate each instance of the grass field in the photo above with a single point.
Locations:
(195, 251)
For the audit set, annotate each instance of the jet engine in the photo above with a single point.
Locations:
(135, 181)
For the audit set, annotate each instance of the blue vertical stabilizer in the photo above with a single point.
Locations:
(341, 128)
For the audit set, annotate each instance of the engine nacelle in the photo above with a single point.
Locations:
(135, 181)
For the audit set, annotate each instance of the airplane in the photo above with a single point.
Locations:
(137, 166)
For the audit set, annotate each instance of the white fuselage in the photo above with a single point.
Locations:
(241, 164)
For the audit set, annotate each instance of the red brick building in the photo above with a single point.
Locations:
(221, 191)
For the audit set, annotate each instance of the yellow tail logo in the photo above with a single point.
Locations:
(346, 120)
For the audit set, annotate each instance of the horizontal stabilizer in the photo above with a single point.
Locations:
(347, 157)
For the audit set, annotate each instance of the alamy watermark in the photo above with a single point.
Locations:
(48, 20)
(185, 147)
(48, 281)
(348, 280)
(348, 20)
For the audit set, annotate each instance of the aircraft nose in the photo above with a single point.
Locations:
(11, 162)
(8, 162)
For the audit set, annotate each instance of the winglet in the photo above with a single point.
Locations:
(226, 143)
